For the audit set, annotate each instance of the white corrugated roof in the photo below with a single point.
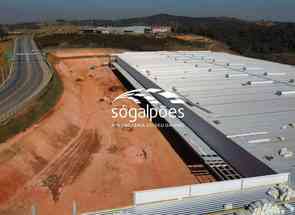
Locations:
(243, 94)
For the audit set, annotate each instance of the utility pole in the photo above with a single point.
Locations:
(74, 210)
(34, 210)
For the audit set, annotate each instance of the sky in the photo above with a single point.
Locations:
(12, 11)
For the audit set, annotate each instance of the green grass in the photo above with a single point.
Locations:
(8, 55)
(35, 111)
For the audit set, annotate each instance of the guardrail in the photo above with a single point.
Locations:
(47, 76)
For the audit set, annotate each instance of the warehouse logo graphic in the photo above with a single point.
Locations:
(151, 112)
(146, 94)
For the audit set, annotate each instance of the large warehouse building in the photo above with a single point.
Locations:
(239, 118)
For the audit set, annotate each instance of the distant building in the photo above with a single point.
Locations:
(117, 30)
(161, 29)
(134, 29)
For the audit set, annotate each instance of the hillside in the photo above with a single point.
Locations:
(126, 42)
(263, 39)
(260, 39)
(163, 19)
(166, 19)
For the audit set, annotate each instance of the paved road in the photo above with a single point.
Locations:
(26, 77)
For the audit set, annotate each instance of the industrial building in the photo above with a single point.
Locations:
(239, 118)
(247, 104)
(155, 30)
(117, 30)
(161, 29)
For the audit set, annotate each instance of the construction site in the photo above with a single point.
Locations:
(230, 153)
(74, 147)
(147, 107)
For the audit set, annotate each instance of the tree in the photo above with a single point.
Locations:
(3, 33)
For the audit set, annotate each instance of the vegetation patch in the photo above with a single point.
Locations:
(35, 111)
(5, 58)
(5, 52)
(129, 42)
(270, 41)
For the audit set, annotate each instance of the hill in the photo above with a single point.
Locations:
(162, 19)
(260, 39)
(263, 39)
(166, 19)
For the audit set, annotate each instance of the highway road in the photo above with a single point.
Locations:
(26, 77)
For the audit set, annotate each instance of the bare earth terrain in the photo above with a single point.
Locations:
(213, 45)
(74, 153)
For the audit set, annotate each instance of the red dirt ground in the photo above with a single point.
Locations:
(74, 153)
(213, 45)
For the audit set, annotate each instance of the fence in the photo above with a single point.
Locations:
(34, 209)
(47, 75)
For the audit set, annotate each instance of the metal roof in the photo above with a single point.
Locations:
(203, 203)
(118, 29)
(196, 205)
(252, 100)
(222, 169)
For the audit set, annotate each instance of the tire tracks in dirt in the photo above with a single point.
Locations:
(67, 164)
(71, 164)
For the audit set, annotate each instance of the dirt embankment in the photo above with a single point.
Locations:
(75, 154)
(213, 45)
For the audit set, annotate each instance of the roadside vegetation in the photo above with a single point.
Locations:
(35, 111)
(5, 52)
(6, 46)
(5, 57)
(128, 42)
